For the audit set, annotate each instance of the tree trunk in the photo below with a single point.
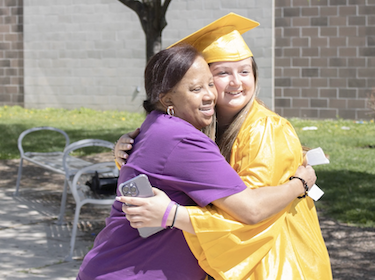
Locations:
(151, 14)
(153, 26)
(153, 43)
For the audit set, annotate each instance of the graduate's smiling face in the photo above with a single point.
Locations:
(235, 84)
(194, 97)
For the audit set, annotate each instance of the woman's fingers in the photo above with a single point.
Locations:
(133, 201)
(135, 221)
(125, 142)
(120, 154)
(145, 212)
(134, 133)
(123, 145)
(121, 160)
(136, 224)
(307, 173)
(132, 210)
(313, 177)
(132, 214)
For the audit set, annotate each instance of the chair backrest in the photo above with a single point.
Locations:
(78, 145)
(77, 167)
(34, 129)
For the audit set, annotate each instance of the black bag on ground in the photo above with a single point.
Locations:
(103, 186)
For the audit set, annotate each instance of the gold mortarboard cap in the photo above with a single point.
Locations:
(221, 40)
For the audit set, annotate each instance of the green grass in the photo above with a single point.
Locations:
(78, 124)
(348, 181)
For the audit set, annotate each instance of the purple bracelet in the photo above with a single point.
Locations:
(166, 214)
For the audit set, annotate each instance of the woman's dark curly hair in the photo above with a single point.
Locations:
(164, 70)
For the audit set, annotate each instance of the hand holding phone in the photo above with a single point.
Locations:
(139, 186)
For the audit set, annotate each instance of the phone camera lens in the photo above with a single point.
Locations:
(133, 190)
(125, 190)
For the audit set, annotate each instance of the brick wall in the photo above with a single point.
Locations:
(324, 58)
(11, 52)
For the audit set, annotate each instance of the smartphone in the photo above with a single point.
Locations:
(139, 186)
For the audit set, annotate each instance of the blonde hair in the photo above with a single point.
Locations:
(226, 140)
(210, 130)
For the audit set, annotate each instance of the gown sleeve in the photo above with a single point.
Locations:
(266, 153)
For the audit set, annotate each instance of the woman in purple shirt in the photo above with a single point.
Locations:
(187, 165)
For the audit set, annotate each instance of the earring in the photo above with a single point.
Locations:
(170, 111)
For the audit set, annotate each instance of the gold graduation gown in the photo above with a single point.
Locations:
(289, 245)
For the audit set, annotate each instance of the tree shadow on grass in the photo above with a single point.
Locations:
(348, 200)
(48, 141)
(349, 196)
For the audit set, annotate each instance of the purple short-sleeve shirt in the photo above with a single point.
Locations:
(188, 166)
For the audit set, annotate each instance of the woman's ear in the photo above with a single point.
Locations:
(165, 100)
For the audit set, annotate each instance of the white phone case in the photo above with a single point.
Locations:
(139, 186)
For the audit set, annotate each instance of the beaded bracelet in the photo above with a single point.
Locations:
(175, 215)
(304, 185)
(166, 214)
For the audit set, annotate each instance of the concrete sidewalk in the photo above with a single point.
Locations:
(32, 245)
